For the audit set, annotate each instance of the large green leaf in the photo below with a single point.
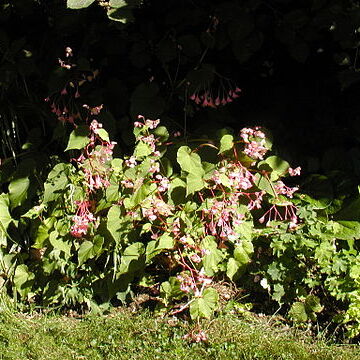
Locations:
(243, 251)
(5, 217)
(142, 150)
(117, 3)
(346, 230)
(56, 182)
(23, 279)
(190, 161)
(113, 223)
(232, 269)
(226, 143)
(194, 182)
(103, 134)
(298, 312)
(59, 244)
(204, 307)
(133, 258)
(155, 247)
(90, 249)
(213, 255)
(18, 191)
(78, 138)
(263, 183)
(278, 166)
(78, 4)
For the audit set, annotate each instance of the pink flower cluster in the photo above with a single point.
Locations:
(282, 189)
(254, 140)
(206, 99)
(294, 172)
(154, 207)
(95, 157)
(82, 219)
(62, 112)
(163, 182)
(193, 283)
(237, 176)
(284, 213)
(222, 217)
(151, 124)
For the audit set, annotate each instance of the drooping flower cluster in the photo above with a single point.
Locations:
(193, 282)
(206, 97)
(282, 189)
(222, 217)
(283, 213)
(95, 159)
(82, 219)
(62, 103)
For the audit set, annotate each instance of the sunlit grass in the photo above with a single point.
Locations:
(126, 335)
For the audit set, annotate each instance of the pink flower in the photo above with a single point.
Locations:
(152, 124)
(82, 219)
(131, 162)
(294, 172)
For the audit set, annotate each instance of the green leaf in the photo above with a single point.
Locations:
(85, 251)
(243, 251)
(140, 194)
(347, 230)
(103, 134)
(279, 166)
(232, 269)
(56, 182)
(132, 259)
(190, 161)
(312, 304)
(298, 313)
(226, 143)
(78, 138)
(264, 184)
(117, 3)
(161, 133)
(194, 183)
(142, 150)
(5, 217)
(155, 247)
(57, 242)
(213, 255)
(90, 249)
(278, 293)
(78, 4)
(23, 279)
(18, 190)
(245, 229)
(177, 191)
(204, 307)
(113, 223)
(170, 290)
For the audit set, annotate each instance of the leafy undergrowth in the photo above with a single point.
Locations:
(126, 335)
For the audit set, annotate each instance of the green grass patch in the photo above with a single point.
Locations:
(125, 335)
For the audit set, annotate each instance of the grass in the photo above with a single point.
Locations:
(126, 335)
